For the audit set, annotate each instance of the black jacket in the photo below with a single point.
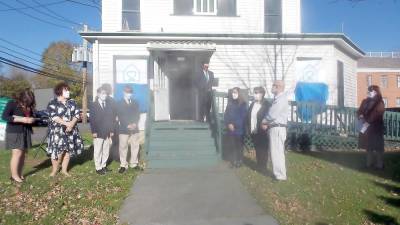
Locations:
(265, 105)
(127, 114)
(202, 83)
(12, 109)
(102, 121)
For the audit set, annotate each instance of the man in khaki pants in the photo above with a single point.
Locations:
(128, 117)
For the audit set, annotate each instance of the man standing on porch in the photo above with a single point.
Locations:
(204, 83)
(128, 117)
(275, 121)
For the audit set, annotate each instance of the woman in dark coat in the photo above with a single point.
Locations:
(371, 134)
(234, 120)
(19, 116)
(257, 111)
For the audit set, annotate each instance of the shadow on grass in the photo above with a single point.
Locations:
(356, 161)
(380, 218)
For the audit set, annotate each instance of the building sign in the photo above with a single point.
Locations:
(3, 131)
(310, 70)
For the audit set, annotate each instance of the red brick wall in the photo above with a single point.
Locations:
(390, 93)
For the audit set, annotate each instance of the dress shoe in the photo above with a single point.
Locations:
(105, 169)
(122, 170)
(100, 172)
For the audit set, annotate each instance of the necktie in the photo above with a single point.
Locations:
(206, 74)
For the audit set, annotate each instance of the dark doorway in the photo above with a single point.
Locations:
(182, 90)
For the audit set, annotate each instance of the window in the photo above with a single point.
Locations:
(273, 16)
(130, 14)
(205, 7)
(384, 81)
(369, 80)
(398, 81)
(385, 101)
(397, 102)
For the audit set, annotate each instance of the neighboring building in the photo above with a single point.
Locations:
(160, 44)
(43, 97)
(382, 69)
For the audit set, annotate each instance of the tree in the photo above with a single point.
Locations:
(56, 59)
(18, 81)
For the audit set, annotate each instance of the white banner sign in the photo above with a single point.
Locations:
(310, 71)
(131, 71)
(3, 131)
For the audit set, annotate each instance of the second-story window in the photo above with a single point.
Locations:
(384, 81)
(397, 102)
(130, 14)
(205, 7)
(273, 16)
(398, 81)
(385, 101)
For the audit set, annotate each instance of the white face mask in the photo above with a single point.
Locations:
(235, 95)
(127, 95)
(258, 97)
(66, 94)
(103, 97)
(371, 94)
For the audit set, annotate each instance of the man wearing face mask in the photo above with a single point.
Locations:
(256, 113)
(128, 117)
(275, 121)
(102, 125)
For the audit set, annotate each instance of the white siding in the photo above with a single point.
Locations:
(350, 78)
(291, 16)
(156, 15)
(111, 15)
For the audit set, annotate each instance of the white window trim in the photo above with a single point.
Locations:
(195, 12)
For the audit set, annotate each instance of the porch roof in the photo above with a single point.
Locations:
(181, 45)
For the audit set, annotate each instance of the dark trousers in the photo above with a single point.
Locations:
(205, 105)
(234, 148)
(261, 142)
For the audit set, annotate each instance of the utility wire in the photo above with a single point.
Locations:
(58, 15)
(33, 70)
(34, 17)
(32, 7)
(85, 4)
(47, 14)
(36, 64)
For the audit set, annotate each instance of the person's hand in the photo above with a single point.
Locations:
(111, 134)
(28, 120)
(132, 126)
(231, 127)
(94, 135)
(70, 126)
(361, 116)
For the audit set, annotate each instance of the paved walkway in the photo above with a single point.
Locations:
(212, 196)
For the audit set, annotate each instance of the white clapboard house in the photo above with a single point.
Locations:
(159, 45)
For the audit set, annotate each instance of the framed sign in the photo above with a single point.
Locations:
(3, 131)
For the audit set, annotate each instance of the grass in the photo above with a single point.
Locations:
(84, 198)
(328, 188)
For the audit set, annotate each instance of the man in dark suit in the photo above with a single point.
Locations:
(128, 117)
(204, 83)
(102, 123)
(257, 111)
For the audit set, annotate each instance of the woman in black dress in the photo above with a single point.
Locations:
(18, 114)
(64, 140)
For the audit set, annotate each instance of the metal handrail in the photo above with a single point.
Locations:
(216, 122)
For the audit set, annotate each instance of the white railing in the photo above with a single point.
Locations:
(383, 54)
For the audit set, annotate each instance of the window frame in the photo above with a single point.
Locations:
(385, 101)
(384, 78)
(398, 102)
(398, 80)
(369, 80)
(130, 11)
(195, 12)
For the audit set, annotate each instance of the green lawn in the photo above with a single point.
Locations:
(328, 188)
(84, 198)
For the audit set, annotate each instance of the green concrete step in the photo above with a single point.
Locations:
(192, 163)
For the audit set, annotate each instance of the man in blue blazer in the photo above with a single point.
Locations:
(204, 83)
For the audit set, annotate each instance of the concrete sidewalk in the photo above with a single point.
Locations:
(212, 196)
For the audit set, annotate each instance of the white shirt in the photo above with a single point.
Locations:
(279, 111)
(253, 119)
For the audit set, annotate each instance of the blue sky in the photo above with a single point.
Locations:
(374, 25)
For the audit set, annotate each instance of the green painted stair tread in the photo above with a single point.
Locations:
(177, 144)
(178, 152)
(183, 157)
(193, 163)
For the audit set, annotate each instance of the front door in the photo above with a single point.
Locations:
(161, 98)
(182, 89)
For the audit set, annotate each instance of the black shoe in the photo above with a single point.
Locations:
(122, 170)
(101, 172)
(107, 170)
